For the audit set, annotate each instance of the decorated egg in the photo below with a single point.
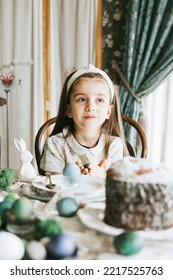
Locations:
(12, 247)
(47, 228)
(61, 246)
(22, 208)
(67, 207)
(36, 250)
(128, 243)
(71, 170)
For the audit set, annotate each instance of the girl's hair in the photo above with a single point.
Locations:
(112, 126)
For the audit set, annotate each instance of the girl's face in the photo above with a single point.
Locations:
(89, 103)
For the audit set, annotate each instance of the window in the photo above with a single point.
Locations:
(158, 108)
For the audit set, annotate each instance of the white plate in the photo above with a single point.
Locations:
(91, 187)
(93, 218)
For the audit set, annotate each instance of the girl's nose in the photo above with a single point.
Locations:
(90, 107)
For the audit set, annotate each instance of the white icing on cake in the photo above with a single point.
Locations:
(140, 170)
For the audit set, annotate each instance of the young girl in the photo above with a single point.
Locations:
(88, 130)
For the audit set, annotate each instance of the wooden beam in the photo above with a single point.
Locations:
(46, 56)
(98, 43)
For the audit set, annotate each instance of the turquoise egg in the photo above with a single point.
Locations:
(128, 243)
(67, 207)
(12, 197)
(71, 170)
(22, 208)
(4, 206)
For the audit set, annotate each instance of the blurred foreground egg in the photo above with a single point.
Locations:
(12, 197)
(67, 207)
(22, 208)
(71, 170)
(47, 228)
(36, 250)
(4, 206)
(61, 246)
(11, 246)
(128, 243)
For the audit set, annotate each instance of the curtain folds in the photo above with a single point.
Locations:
(21, 52)
(148, 52)
(137, 35)
(73, 26)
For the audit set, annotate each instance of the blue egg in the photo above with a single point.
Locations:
(71, 169)
(67, 207)
(61, 246)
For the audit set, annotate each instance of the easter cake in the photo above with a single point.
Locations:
(139, 195)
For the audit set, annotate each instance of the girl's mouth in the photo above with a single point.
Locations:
(90, 117)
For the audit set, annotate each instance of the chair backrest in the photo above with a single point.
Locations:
(39, 139)
(142, 136)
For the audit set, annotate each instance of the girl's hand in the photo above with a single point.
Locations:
(92, 169)
(97, 169)
(83, 170)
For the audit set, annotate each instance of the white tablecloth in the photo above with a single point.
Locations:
(94, 244)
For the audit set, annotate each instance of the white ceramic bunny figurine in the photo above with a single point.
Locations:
(26, 171)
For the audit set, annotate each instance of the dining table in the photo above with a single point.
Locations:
(94, 238)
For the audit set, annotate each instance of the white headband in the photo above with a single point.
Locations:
(91, 69)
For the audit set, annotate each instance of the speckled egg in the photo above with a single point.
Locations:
(61, 246)
(12, 247)
(128, 243)
(71, 170)
(36, 250)
(22, 208)
(67, 207)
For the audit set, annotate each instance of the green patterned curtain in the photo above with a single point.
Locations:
(114, 18)
(138, 35)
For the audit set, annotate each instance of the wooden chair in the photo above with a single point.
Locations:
(39, 139)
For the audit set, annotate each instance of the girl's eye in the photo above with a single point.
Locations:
(100, 100)
(81, 99)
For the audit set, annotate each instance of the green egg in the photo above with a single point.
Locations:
(22, 208)
(12, 197)
(128, 243)
(47, 228)
(67, 207)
